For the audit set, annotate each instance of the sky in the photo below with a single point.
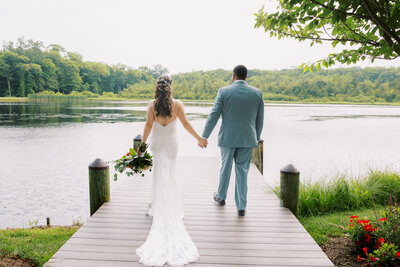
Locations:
(181, 35)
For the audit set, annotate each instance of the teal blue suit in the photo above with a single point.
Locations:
(242, 109)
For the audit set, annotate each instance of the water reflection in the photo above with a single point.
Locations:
(350, 116)
(42, 115)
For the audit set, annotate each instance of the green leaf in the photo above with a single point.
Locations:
(132, 151)
(318, 66)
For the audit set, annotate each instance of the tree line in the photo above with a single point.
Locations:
(29, 67)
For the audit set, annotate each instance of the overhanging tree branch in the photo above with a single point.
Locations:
(341, 11)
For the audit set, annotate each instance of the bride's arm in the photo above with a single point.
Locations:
(149, 122)
(186, 124)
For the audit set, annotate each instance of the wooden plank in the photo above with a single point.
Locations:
(205, 251)
(188, 222)
(296, 229)
(205, 232)
(198, 238)
(213, 245)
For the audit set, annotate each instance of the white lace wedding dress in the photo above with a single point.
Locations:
(168, 241)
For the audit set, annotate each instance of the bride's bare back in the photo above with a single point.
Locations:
(164, 121)
(177, 111)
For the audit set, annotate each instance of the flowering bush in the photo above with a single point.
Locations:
(389, 228)
(386, 255)
(374, 240)
(133, 162)
(362, 233)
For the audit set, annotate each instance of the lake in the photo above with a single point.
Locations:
(45, 149)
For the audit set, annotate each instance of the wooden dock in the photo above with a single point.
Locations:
(268, 235)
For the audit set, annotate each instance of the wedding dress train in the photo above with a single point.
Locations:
(168, 241)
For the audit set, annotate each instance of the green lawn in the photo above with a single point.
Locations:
(322, 227)
(36, 244)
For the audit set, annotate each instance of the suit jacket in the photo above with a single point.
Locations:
(242, 109)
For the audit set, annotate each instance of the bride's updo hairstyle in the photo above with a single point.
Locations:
(163, 96)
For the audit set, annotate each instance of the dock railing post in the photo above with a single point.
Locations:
(289, 189)
(99, 184)
(258, 156)
(136, 142)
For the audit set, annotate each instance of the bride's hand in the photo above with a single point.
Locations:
(202, 142)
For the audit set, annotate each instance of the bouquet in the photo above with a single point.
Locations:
(133, 162)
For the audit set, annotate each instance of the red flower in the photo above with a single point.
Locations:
(383, 219)
(351, 225)
(373, 258)
(130, 166)
(359, 258)
(128, 154)
(354, 217)
(367, 227)
(367, 238)
(351, 221)
(365, 250)
(379, 243)
(398, 254)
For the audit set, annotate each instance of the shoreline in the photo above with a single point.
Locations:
(202, 101)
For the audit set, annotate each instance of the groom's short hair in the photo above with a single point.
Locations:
(240, 72)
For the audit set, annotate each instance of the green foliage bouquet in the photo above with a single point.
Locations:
(134, 162)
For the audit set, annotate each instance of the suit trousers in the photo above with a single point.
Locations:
(242, 159)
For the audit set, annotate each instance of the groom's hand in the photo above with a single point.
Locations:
(202, 143)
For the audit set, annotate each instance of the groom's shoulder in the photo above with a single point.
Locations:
(225, 88)
(254, 89)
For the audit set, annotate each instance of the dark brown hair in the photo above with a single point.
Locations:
(163, 96)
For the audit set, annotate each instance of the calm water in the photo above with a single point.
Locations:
(45, 149)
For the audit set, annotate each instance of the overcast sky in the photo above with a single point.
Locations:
(182, 35)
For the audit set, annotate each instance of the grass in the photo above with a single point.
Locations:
(35, 244)
(342, 193)
(323, 227)
(55, 98)
(13, 99)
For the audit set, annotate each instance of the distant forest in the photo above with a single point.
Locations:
(30, 67)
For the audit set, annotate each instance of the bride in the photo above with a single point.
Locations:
(168, 241)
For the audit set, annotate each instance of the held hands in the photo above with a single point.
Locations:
(202, 142)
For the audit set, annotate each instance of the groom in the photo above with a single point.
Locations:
(242, 109)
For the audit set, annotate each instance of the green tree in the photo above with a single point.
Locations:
(10, 69)
(372, 27)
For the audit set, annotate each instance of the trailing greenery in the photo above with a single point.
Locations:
(344, 193)
(35, 244)
(323, 227)
(30, 67)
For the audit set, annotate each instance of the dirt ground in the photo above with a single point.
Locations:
(341, 252)
(15, 262)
